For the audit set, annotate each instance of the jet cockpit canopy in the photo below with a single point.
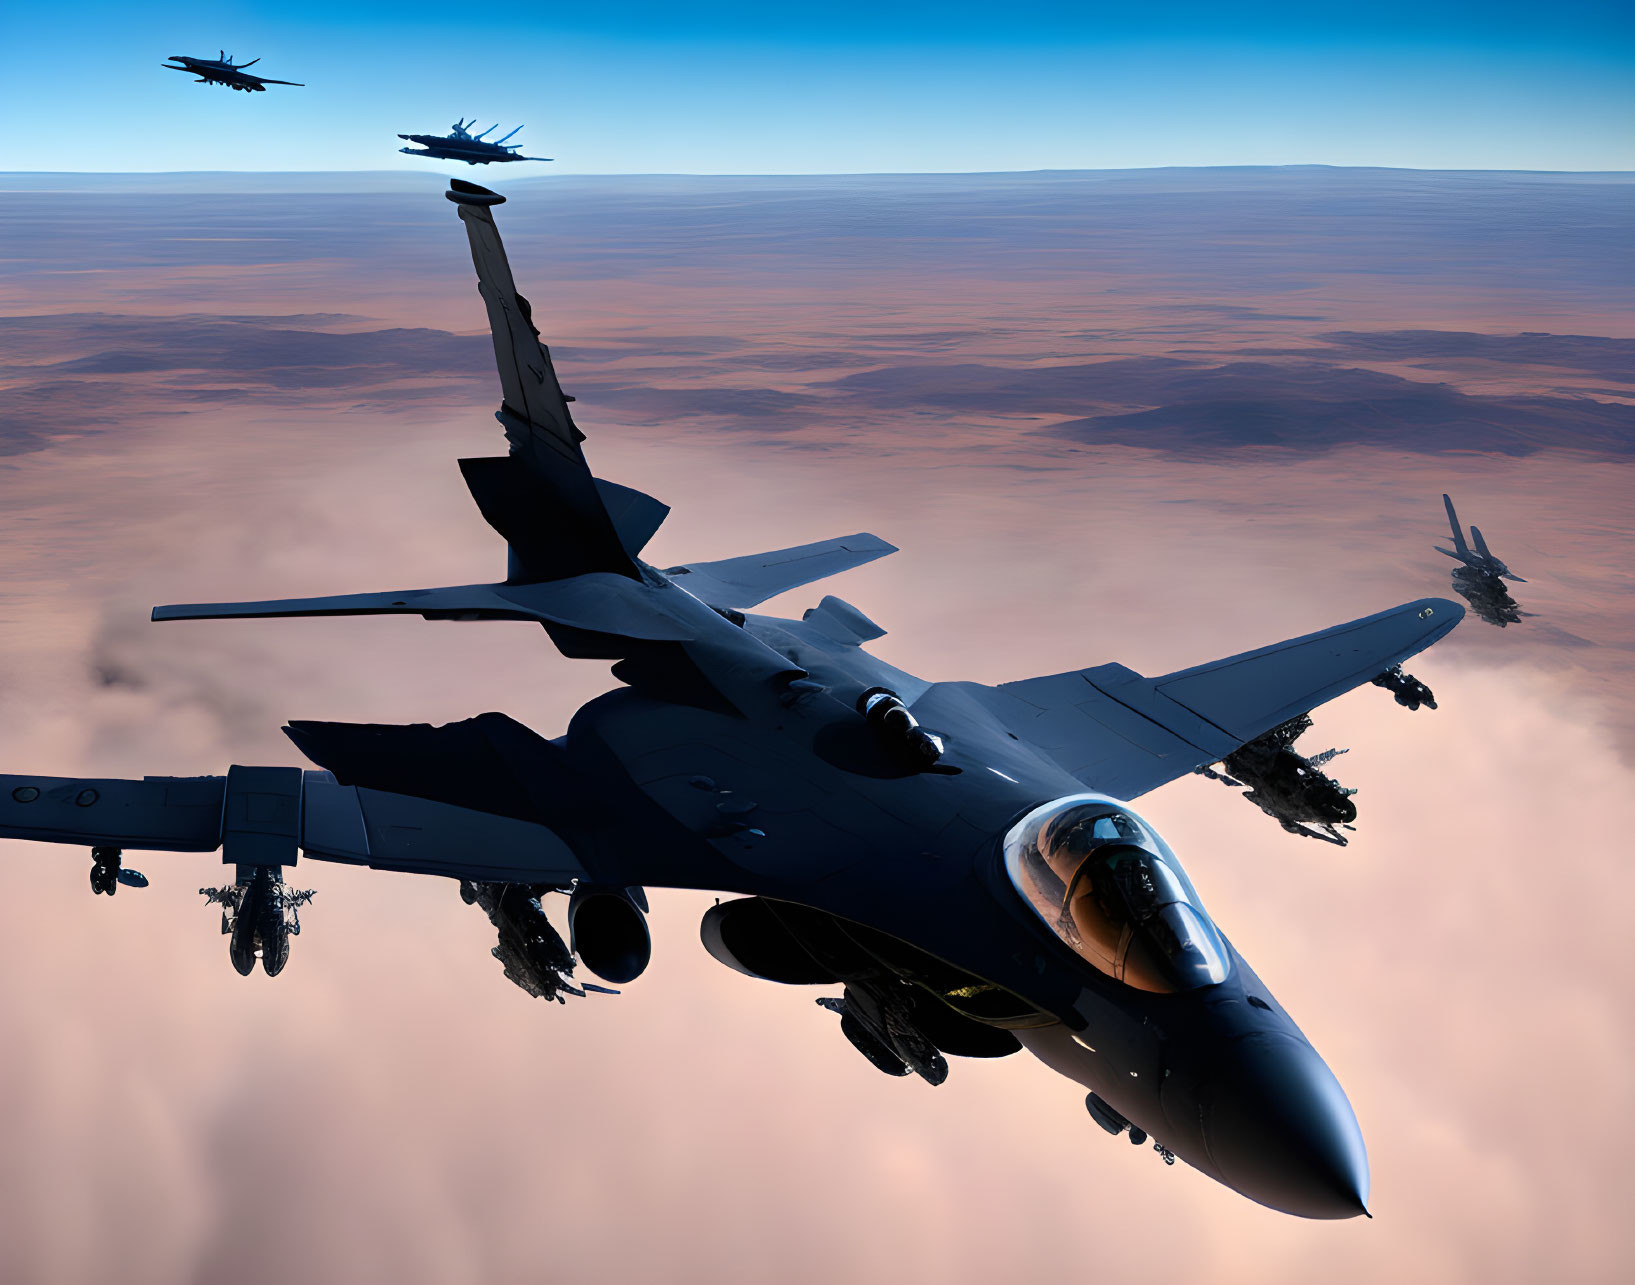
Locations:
(1105, 883)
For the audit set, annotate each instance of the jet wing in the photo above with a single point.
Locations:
(752, 579)
(1124, 733)
(261, 816)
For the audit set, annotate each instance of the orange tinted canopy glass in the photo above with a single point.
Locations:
(1105, 883)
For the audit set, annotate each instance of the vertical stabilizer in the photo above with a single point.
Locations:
(528, 383)
(1453, 521)
(541, 497)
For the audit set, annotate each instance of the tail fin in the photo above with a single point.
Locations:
(1481, 544)
(532, 397)
(541, 497)
(1453, 521)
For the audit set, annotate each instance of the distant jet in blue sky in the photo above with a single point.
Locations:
(222, 70)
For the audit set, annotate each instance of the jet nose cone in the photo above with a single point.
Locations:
(1278, 1126)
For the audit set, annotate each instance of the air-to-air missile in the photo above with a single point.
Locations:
(459, 144)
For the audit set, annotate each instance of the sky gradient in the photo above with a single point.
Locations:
(741, 88)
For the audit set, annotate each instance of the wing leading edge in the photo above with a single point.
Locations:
(752, 579)
(1127, 734)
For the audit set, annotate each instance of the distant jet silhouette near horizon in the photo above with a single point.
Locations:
(1480, 579)
(459, 144)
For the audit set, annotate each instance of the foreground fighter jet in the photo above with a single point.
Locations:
(959, 859)
(222, 70)
(459, 144)
(1480, 578)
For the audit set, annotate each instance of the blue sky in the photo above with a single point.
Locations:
(752, 88)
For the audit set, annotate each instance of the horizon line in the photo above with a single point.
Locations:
(975, 173)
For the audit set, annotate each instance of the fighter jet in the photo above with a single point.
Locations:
(222, 70)
(960, 862)
(459, 144)
(1480, 578)
(1289, 787)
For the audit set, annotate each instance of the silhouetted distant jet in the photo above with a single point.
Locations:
(222, 70)
(459, 144)
(1480, 581)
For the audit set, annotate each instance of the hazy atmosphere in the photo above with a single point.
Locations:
(1153, 417)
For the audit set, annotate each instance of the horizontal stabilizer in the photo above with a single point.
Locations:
(751, 580)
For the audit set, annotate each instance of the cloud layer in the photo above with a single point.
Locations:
(390, 1109)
